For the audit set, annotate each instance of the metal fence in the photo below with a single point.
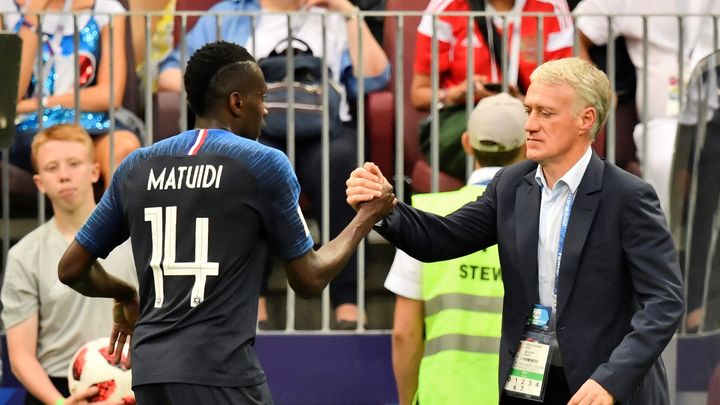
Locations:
(14, 227)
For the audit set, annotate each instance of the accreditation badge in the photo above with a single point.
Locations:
(528, 375)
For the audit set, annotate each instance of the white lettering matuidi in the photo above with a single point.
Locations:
(181, 177)
(162, 259)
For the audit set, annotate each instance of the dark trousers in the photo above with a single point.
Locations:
(60, 383)
(556, 391)
(191, 394)
(308, 166)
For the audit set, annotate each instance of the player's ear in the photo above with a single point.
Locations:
(235, 103)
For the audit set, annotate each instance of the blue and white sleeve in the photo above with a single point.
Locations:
(106, 228)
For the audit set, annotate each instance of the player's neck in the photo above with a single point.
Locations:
(209, 122)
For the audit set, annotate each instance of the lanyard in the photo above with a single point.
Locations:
(561, 243)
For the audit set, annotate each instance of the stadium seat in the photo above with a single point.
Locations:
(415, 163)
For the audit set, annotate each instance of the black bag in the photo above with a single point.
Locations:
(308, 94)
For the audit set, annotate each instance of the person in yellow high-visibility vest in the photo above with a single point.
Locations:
(446, 328)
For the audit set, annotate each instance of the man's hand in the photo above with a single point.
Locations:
(125, 315)
(592, 393)
(85, 396)
(378, 208)
(366, 183)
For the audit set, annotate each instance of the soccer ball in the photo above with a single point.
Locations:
(91, 366)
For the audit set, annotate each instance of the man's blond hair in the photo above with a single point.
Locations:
(61, 132)
(592, 87)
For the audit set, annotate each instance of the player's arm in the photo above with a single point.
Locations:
(407, 346)
(309, 274)
(80, 270)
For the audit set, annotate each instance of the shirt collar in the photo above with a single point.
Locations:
(572, 177)
(482, 176)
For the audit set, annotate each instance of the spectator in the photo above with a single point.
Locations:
(46, 321)
(487, 38)
(342, 57)
(662, 69)
(58, 74)
(464, 371)
(593, 292)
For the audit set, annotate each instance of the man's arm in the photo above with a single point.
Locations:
(655, 275)
(22, 348)
(309, 274)
(425, 236)
(407, 346)
(80, 270)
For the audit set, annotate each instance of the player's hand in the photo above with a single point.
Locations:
(592, 393)
(125, 315)
(378, 208)
(84, 397)
(364, 184)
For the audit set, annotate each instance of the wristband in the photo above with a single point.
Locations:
(442, 98)
(60, 401)
(25, 23)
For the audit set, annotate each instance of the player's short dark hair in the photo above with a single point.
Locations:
(207, 68)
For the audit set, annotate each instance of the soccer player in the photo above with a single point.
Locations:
(203, 208)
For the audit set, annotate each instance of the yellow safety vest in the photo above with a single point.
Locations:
(463, 308)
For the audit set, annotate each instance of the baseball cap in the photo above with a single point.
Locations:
(500, 119)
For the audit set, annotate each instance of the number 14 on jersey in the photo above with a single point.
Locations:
(163, 261)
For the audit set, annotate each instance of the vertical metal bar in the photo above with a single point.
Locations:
(359, 19)
(610, 130)
(290, 79)
(6, 201)
(434, 124)
(681, 60)
(644, 118)
(399, 110)
(183, 62)
(76, 71)
(41, 216)
(715, 31)
(325, 164)
(149, 81)
(576, 42)
(111, 110)
(541, 40)
(290, 148)
(253, 27)
(470, 94)
(218, 27)
(504, 51)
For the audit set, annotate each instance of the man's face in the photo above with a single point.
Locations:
(66, 173)
(553, 126)
(254, 110)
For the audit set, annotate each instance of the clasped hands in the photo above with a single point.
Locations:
(367, 189)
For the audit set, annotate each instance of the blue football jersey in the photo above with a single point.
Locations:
(203, 209)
